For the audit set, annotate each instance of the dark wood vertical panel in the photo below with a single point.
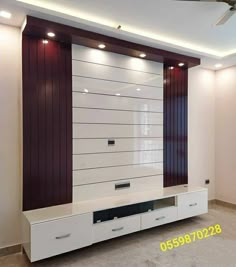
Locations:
(47, 123)
(175, 126)
(26, 121)
(42, 121)
(68, 70)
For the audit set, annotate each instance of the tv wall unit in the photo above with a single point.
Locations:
(55, 230)
(102, 129)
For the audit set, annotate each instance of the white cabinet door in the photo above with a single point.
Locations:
(158, 217)
(59, 236)
(192, 204)
(115, 228)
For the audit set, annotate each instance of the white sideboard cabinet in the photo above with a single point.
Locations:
(55, 230)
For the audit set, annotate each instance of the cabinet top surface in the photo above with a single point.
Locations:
(77, 208)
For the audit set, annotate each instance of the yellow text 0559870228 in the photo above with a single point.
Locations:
(190, 237)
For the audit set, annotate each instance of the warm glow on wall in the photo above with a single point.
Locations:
(54, 8)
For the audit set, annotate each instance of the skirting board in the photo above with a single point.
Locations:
(221, 203)
(10, 250)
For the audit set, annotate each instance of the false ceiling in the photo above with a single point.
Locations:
(173, 25)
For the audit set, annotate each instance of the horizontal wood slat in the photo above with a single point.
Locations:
(116, 103)
(116, 131)
(83, 146)
(116, 173)
(88, 54)
(116, 159)
(103, 72)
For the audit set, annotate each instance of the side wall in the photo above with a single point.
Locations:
(10, 145)
(225, 135)
(201, 128)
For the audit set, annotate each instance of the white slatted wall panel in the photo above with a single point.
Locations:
(118, 99)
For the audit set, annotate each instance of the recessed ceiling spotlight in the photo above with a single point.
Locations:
(45, 41)
(117, 94)
(142, 55)
(51, 34)
(101, 46)
(181, 64)
(5, 14)
(86, 90)
(138, 89)
(218, 65)
(171, 67)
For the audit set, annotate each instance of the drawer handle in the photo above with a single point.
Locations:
(160, 218)
(117, 229)
(120, 186)
(63, 236)
(192, 205)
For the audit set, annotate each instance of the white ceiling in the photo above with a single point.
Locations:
(173, 25)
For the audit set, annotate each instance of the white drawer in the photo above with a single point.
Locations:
(158, 217)
(115, 228)
(192, 204)
(60, 236)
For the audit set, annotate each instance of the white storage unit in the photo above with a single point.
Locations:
(117, 123)
(51, 231)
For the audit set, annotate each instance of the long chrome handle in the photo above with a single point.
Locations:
(117, 229)
(160, 218)
(192, 205)
(63, 236)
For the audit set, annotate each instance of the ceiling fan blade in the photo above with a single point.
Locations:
(227, 15)
(230, 2)
(200, 0)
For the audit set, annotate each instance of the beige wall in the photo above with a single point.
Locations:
(10, 174)
(201, 128)
(225, 135)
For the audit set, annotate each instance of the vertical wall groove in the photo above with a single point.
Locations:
(47, 123)
(175, 126)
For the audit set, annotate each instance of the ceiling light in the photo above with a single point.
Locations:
(117, 94)
(101, 46)
(171, 68)
(142, 55)
(218, 65)
(181, 64)
(5, 14)
(45, 41)
(138, 89)
(86, 90)
(51, 34)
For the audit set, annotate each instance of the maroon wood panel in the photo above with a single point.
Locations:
(39, 27)
(47, 123)
(175, 126)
